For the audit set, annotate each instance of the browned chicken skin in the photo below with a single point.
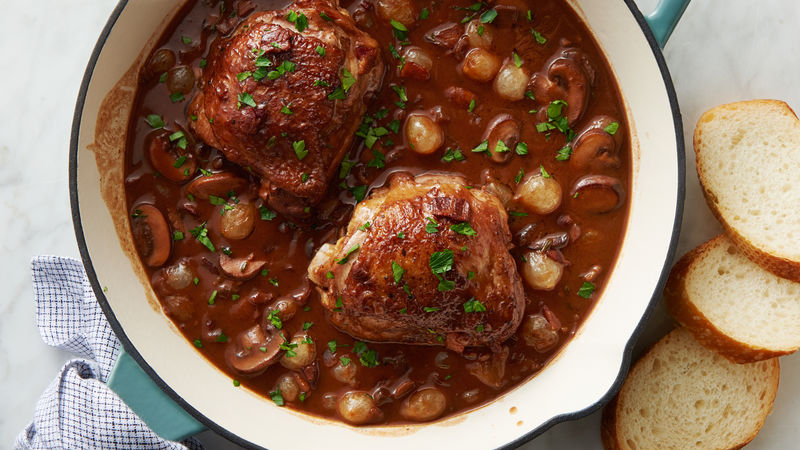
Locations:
(417, 273)
(283, 99)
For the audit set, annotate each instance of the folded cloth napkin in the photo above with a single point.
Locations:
(78, 410)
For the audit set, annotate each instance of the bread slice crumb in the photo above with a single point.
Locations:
(748, 154)
(681, 395)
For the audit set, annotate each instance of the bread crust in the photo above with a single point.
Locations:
(613, 438)
(780, 266)
(704, 331)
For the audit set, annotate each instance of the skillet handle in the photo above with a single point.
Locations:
(665, 17)
(149, 402)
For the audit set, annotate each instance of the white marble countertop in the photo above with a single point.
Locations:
(722, 51)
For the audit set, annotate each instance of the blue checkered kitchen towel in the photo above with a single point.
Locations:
(78, 411)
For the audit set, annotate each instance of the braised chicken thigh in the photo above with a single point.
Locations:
(424, 261)
(283, 94)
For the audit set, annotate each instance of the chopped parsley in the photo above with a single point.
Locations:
(300, 21)
(464, 228)
(538, 36)
(517, 59)
(245, 99)
(337, 94)
(348, 80)
(201, 234)
(501, 147)
(155, 121)
(277, 397)
(177, 236)
(519, 176)
(441, 262)
(481, 148)
(564, 153)
(431, 309)
(451, 155)
(366, 356)
(544, 172)
(212, 299)
(286, 109)
(266, 213)
(400, 30)
(489, 16)
(474, 306)
(300, 149)
(612, 128)
(275, 319)
(346, 257)
(432, 226)
(321, 51)
(424, 14)
(522, 149)
(586, 290)
(398, 272)
(359, 192)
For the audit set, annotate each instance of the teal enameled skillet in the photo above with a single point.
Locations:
(178, 393)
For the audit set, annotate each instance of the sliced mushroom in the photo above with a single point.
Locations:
(502, 133)
(492, 370)
(446, 35)
(179, 307)
(598, 194)
(459, 96)
(557, 240)
(417, 64)
(253, 351)
(595, 147)
(241, 268)
(497, 188)
(170, 161)
(567, 76)
(151, 234)
(218, 184)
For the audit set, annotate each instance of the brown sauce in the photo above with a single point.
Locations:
(289, 245)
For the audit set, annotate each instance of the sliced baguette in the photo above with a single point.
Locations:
(748, 162)
(682, 395)
(732, 305)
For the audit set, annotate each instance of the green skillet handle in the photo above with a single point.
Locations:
(663, 20)
(149, 402)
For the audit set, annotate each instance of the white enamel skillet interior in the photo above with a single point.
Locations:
(583, 376)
